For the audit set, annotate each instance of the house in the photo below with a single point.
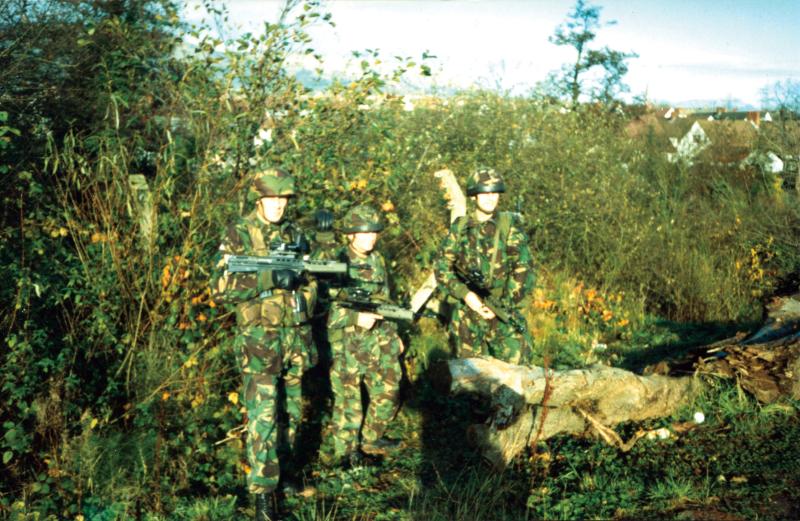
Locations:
(754, 117)
(768, 162)
(731, 141)
(689, 139)
(674, 113)
(690, 145)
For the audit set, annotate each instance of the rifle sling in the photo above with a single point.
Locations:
(500, 234)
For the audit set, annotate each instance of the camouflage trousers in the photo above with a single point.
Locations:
(271, 359)
(370, 357)
(472, 336)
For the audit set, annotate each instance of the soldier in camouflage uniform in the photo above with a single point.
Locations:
(273, 341)
(365, 348)
(492, 245)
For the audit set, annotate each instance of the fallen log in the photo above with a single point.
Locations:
(529, 404)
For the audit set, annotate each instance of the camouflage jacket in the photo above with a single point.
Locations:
(257, 301)
(506, 268)
(369, 275)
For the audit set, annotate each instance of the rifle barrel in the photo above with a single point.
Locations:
(282, 261)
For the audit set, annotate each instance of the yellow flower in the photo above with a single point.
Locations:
(388, 206)
(233, 397)
(165, 396)
(166, 276)
(358, 185)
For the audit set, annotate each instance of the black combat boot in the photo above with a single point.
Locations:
(266, 507)
(381, 447)
(294, 485)
(353, 460)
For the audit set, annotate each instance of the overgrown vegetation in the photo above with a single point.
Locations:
(124, 151)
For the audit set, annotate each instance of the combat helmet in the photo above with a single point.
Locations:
(485, 180)
(363, 218)
(273, 182)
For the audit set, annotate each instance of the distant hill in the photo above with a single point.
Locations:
(311, 79)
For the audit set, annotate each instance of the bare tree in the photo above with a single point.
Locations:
(578, 31)
(783, 96)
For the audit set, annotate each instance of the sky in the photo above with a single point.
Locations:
(688, 49)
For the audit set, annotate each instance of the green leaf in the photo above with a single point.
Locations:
(7, 455)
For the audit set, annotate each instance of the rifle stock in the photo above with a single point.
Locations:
(387, 311)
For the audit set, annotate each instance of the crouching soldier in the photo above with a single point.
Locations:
(365, 347)
(485, 267)
(273, 338)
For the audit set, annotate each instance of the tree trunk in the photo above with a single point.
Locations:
(529, 404)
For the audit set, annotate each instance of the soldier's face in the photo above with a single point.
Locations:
(363, 242)
(487, 202)
(272, 208)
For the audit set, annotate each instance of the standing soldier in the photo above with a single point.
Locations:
(486, 269)
(273, 341)
(365, 348)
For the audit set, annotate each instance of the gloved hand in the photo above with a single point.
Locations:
(302, 245)
(324, 219)
(285, 279)
(264, 281)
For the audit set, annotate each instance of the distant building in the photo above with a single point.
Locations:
(689, 139)
(689, 146)
(731, 138)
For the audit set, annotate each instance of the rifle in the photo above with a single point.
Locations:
(476, 283)
(277, 260)
(358, 300)
(286, 256)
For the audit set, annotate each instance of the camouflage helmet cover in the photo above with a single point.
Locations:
(273, 182)
(485, 180)
(363, 218)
